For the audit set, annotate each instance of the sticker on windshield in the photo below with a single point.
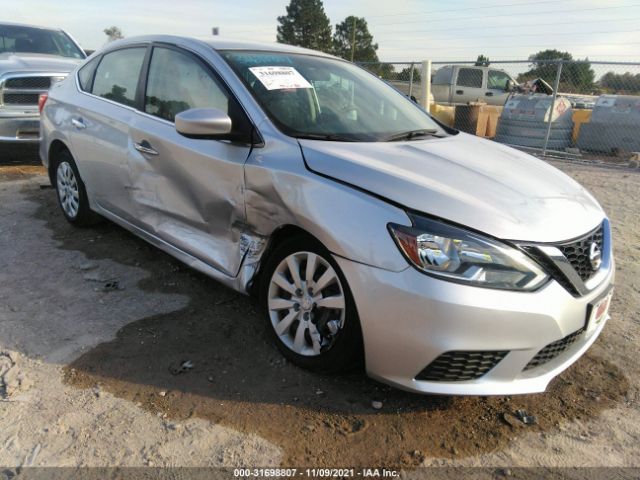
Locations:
(280, 78)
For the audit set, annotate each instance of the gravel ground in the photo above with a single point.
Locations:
(112, 353)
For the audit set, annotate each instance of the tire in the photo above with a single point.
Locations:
(71, 192)
(331, 339)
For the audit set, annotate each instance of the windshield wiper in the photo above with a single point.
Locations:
(326, 137)
(425, 132)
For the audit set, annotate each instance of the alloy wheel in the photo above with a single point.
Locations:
(68, 191)
(306, 303)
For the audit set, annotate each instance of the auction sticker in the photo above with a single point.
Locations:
(280, 78)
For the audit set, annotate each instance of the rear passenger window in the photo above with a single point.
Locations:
(178, 82)
(117, 75)
(470, 77)
(85, 74)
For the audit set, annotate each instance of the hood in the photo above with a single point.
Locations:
(25, 62)
(467, 180)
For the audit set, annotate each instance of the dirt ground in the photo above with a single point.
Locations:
(113, 353)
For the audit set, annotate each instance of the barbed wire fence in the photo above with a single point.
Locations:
(573, 109)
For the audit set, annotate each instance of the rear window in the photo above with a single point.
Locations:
(470, 77)
(117, 75)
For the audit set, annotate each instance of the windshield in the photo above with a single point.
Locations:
(316, 97)
(18, 39)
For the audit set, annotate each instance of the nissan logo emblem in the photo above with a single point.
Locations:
(595, 256)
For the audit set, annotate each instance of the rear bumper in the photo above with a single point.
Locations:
(409, 320)
(23, 128)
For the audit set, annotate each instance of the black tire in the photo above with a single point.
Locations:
(83, 216)
(346, 350)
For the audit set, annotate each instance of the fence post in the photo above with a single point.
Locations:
(411, 78)
(556, 85)
(425, 84)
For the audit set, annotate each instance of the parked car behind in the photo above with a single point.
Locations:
(31, 60)
(461, 84)
(367, 230)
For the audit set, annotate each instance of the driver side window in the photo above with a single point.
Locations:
(497, 80)
(177, 82)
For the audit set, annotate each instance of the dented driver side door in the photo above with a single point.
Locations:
(188, 192)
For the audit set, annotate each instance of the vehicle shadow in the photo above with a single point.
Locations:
(212, 360)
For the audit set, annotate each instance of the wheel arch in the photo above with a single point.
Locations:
(279, 235)
(53, 154)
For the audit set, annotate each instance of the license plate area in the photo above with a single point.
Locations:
(598, 310)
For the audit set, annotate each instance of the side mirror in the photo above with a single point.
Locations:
(510, 86)
(203, 123)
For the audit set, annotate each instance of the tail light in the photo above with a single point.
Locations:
(42, 99)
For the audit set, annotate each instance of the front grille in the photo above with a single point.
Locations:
(552, 350)
(578, 253)
(36, 83)
(460, 366)
(551, 269)
(20, 98)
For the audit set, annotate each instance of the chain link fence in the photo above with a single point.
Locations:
(585, 110)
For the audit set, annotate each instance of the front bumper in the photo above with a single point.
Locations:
(409, 319)
(20, 128)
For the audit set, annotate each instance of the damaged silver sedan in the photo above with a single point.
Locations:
(368, 231)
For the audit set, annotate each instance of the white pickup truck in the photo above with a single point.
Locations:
(31, 60)
(461, 84)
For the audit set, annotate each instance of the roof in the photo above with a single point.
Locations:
(223, 44)
(228, 44)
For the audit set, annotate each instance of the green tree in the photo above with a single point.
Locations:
(382, 70)
(405, 74)
(306, 25)
(624, 83)
(482, 61)
(354, 29)
(113, 33)
(576, 77)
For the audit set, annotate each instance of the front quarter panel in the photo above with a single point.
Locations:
(352, 224)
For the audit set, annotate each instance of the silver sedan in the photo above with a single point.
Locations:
(370, 233)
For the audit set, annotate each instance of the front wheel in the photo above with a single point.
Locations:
(309, 308)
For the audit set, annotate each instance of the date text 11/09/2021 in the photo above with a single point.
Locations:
(316, 472)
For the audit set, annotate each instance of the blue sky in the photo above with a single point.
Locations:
(405, 30)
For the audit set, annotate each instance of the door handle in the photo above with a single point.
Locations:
(489, 94)
(459, 92)
(145, 147)
(78, 123)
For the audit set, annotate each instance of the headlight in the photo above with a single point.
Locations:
(455, 254)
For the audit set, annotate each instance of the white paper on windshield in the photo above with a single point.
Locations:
(280, 78)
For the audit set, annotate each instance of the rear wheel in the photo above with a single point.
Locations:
(309, 308)
(72, 196)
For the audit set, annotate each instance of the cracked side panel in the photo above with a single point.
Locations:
(252, 247)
